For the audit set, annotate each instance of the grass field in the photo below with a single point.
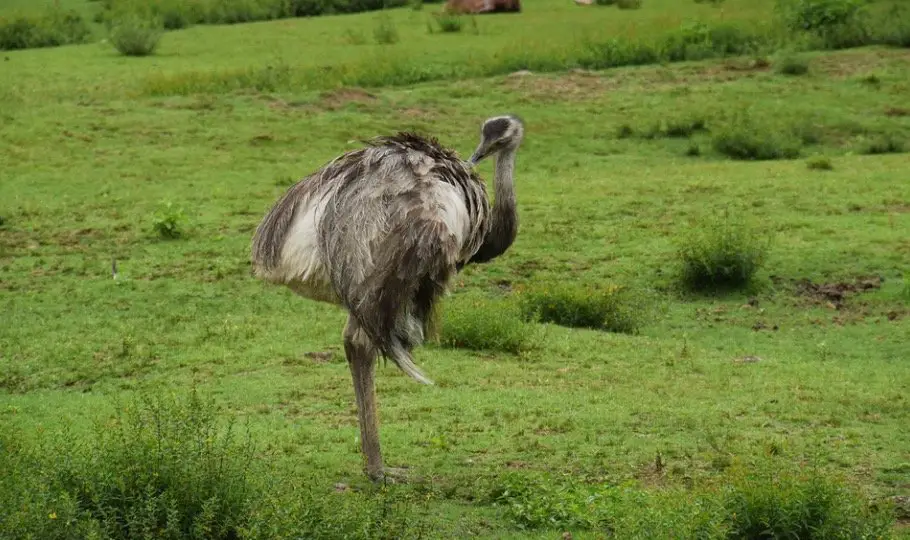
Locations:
(581, 430)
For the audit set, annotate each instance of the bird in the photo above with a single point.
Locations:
(381, 231)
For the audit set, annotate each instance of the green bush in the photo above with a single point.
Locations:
(721, 252)
(747, 139)
(474, 321)
(52, 28)
(819, 163)
(835, 24)
(614, 308)
(449, 22)
(792, 64)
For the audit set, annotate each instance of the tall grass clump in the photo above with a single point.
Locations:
(832, 24)
(449, 22)
(475, 321)
(384, 30)
(886, 143)
(135, 34)
(629, 4)
(721, 252)
(819, 163)
(52, 28)
(765, 503)
(761, 502)
(747, 139)
(612, 308)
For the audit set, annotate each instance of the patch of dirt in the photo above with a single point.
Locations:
(337, 99)
(850, 63)
(835, 294)
(897, 111)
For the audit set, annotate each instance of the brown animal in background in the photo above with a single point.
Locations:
(483, 6)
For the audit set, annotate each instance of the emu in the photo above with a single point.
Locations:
(380, 231)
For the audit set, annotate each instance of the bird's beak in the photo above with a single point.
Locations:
(477, 155)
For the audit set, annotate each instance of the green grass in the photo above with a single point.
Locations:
(724, 388)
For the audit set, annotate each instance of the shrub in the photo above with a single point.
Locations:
(791, 64)
(385, 32)
(473, 321)
(167, 221)
(819, 163)
(135, 35)
(614, 308)
(721, 252)
(52, 28)
(745, 139)
(694, 150)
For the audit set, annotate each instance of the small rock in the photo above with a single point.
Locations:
(748, 359)
(340, 487)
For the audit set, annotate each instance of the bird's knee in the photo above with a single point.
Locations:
(356, 341)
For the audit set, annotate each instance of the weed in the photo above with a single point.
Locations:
(135, 35)
(721, 252)
(472, 321)
(746, 139)
(352, 37)
(887, 143)
(819, 163)
(624, 131)
(629, 4)
(449, 22)
(693, 150)
(384, 30)
(167, 221)
(792, 64)
(614, 308)
(683, 127)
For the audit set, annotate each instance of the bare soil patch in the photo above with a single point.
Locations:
(835, 294)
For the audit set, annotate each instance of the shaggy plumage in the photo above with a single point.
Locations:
(381, 230)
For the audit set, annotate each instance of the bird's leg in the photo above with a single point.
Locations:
(361, 355)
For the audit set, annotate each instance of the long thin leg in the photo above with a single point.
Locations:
(361, 355)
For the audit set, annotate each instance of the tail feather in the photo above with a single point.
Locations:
(395, 305)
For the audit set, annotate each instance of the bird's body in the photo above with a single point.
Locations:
(380, 231)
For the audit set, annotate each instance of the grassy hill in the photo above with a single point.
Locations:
(779, 406)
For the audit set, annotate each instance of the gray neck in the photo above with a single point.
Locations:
(504, 219)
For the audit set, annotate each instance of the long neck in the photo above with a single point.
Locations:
(504, 222)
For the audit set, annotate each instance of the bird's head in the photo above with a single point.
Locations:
(497, 134)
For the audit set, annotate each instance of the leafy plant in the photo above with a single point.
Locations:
(167, 221)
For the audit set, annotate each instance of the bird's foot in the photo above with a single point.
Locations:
(391, 475)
